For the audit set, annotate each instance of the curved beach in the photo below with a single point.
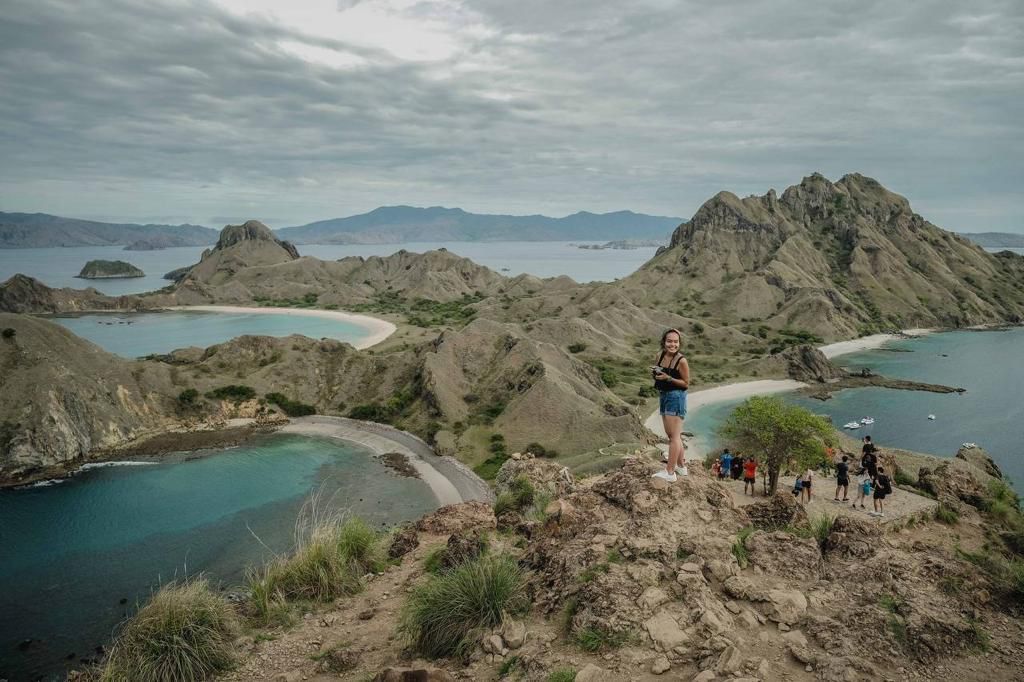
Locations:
(378, 329)
(450, 480)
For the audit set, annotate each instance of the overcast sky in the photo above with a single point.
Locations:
(213, 111)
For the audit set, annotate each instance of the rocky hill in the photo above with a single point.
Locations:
(397, 224)
(64, 399)
(836, 259)
(40, 230)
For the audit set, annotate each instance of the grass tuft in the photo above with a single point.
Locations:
(562, 675)
(184, 632)
(598, 639)
(739, 548)
(444, 615)
(947, 515)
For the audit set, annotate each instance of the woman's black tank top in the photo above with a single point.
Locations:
(672, 371)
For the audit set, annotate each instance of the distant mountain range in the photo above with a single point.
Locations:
(398, 224)
(40, 230)
(994, 240)
(385, 225)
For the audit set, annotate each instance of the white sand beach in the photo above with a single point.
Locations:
(378, 329)
(834, 350)
(450, 480)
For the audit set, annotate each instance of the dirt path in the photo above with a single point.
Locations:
(899, 506)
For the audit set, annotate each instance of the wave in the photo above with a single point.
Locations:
(99, 465)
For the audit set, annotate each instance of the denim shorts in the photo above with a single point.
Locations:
(673, 403)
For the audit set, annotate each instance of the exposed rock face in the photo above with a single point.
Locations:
(239, 246)
(63, 398)
(978, 457)
(109, 269)
(24, 294)
(779, 511)
(951, 486)
(835, 259)
(807, 363)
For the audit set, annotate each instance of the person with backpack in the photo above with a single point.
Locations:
(869, 458)
(843, 479)
(883, 487)
(863, 490)
(726, 464)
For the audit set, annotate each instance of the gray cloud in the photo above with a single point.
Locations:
(126, 109)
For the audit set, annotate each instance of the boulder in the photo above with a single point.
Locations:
(979, 458)
(542, 474)
(593, 673)
(403, 542)
(665, 631)
(455, 517)
(853, 538)
(463, 547)
(951, 486)
(514, 633)
(781, 553)
(786, 606)
(660, 665)
(778, 511)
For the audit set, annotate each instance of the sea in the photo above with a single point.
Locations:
(78, 555)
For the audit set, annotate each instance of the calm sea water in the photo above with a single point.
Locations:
(57, 267)
(990, 365)
(135, 334)
(72, 551)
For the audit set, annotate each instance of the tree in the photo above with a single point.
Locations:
(778, 434)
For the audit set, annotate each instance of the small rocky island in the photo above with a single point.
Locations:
(109, 269)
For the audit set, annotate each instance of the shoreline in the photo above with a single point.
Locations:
(451, 481)
(875, 341)
(378, 329)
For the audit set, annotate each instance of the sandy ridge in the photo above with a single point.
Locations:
(378, 329)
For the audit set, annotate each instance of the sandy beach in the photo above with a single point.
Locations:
(378, 329)
(834, 350)
(450, 480)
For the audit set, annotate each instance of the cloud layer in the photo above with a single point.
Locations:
(197, 109)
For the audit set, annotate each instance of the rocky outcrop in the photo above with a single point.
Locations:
(807, 363)
(779, 511)
(951, 486)
(109, 269)
(24, 294)
(979, 458)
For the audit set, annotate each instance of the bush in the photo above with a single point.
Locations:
(233, 392)
(330, 559)
(562, 675)
(185, 632)
(947, 515)
(577, 347)
(370, 412)
(188, 397)
(292, 408)
(903, 478)
(445, 615)
(488, 469)
(539, 450)
(9, 332)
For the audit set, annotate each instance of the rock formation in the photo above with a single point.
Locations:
(109, 269)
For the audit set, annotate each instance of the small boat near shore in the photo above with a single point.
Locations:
(931, 417)
(851, 425)
(867, 420)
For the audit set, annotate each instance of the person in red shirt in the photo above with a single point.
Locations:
(749, 474)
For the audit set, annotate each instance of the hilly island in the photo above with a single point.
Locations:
(541, 387)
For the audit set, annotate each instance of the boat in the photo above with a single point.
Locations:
(851, 425)
(970, 446)
(867, 420)
(931, 416)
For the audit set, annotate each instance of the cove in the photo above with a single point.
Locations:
(73, 550)
(133, 335)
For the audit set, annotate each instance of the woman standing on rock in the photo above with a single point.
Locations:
(672, 378)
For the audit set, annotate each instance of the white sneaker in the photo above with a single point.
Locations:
(671, 478)
(664, 456)
(682, 470)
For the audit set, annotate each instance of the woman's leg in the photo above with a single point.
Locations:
(674, 429)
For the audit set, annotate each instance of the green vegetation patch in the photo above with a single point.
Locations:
(446, 614)
(185, 632)
(292, 408)
(423, 312)
(233, 392)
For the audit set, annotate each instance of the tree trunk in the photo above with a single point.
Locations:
(773, 480)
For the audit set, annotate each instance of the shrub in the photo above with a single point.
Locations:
(330, 558)
(739, 548)
(185, 632)
(233, 392)
(9, 332)
(488, 469)
(292, 408)
(188, 397)
(597, 639)
(562, 675)
(371, 412)
(577, 347)
(903, 478)
(446, 614)
(946, 514)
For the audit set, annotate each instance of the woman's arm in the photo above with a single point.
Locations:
(684, 370)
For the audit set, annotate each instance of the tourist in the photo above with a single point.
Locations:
(726, 464)
(672, 377)
(863, 490)
(882, 488)
(798, 486)
(737, 467)
(749, 475)
(869, 458)
(843, 479)
(805, 484)
(828, 462)
(716, 469)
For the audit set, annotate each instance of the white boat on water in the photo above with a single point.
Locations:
(867, 420)
(851, 425)
(932, 417)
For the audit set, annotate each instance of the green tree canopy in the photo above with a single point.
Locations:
(777, 434)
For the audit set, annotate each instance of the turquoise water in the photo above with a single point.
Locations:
(136, 334)
(72, 551)
(990, 365)
(57, 267)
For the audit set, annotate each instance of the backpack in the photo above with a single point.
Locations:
(885, 484)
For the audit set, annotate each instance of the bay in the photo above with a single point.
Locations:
(133, 335)
(72, 551)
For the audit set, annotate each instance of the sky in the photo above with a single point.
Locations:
(216, 111)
